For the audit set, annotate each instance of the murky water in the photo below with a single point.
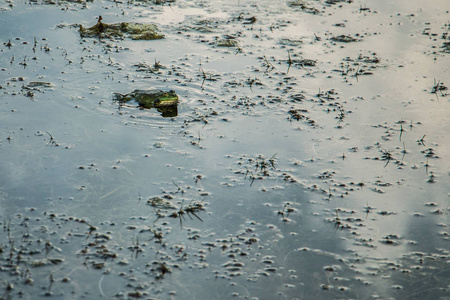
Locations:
(309, 158)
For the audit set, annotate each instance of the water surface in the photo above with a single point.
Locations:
(309, 159)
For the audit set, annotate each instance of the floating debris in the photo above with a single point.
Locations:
(300, 4)
(159, 202)
(344, 39)
(446, 47)
(291, 42)
(34, 84)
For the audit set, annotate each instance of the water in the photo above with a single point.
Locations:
(278, 179)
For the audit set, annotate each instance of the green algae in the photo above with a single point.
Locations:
(227, 43)
(135, 31)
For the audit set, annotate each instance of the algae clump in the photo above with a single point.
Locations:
(135, 31)
(227, 43)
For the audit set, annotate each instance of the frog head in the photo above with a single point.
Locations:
(167, 99)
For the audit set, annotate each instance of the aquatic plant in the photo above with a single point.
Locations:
(387, 156)
(136, 31)
(191, 210)
(438, 87)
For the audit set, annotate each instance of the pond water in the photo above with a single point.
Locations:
(308, 158)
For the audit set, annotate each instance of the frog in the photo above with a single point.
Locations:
(150, 98)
